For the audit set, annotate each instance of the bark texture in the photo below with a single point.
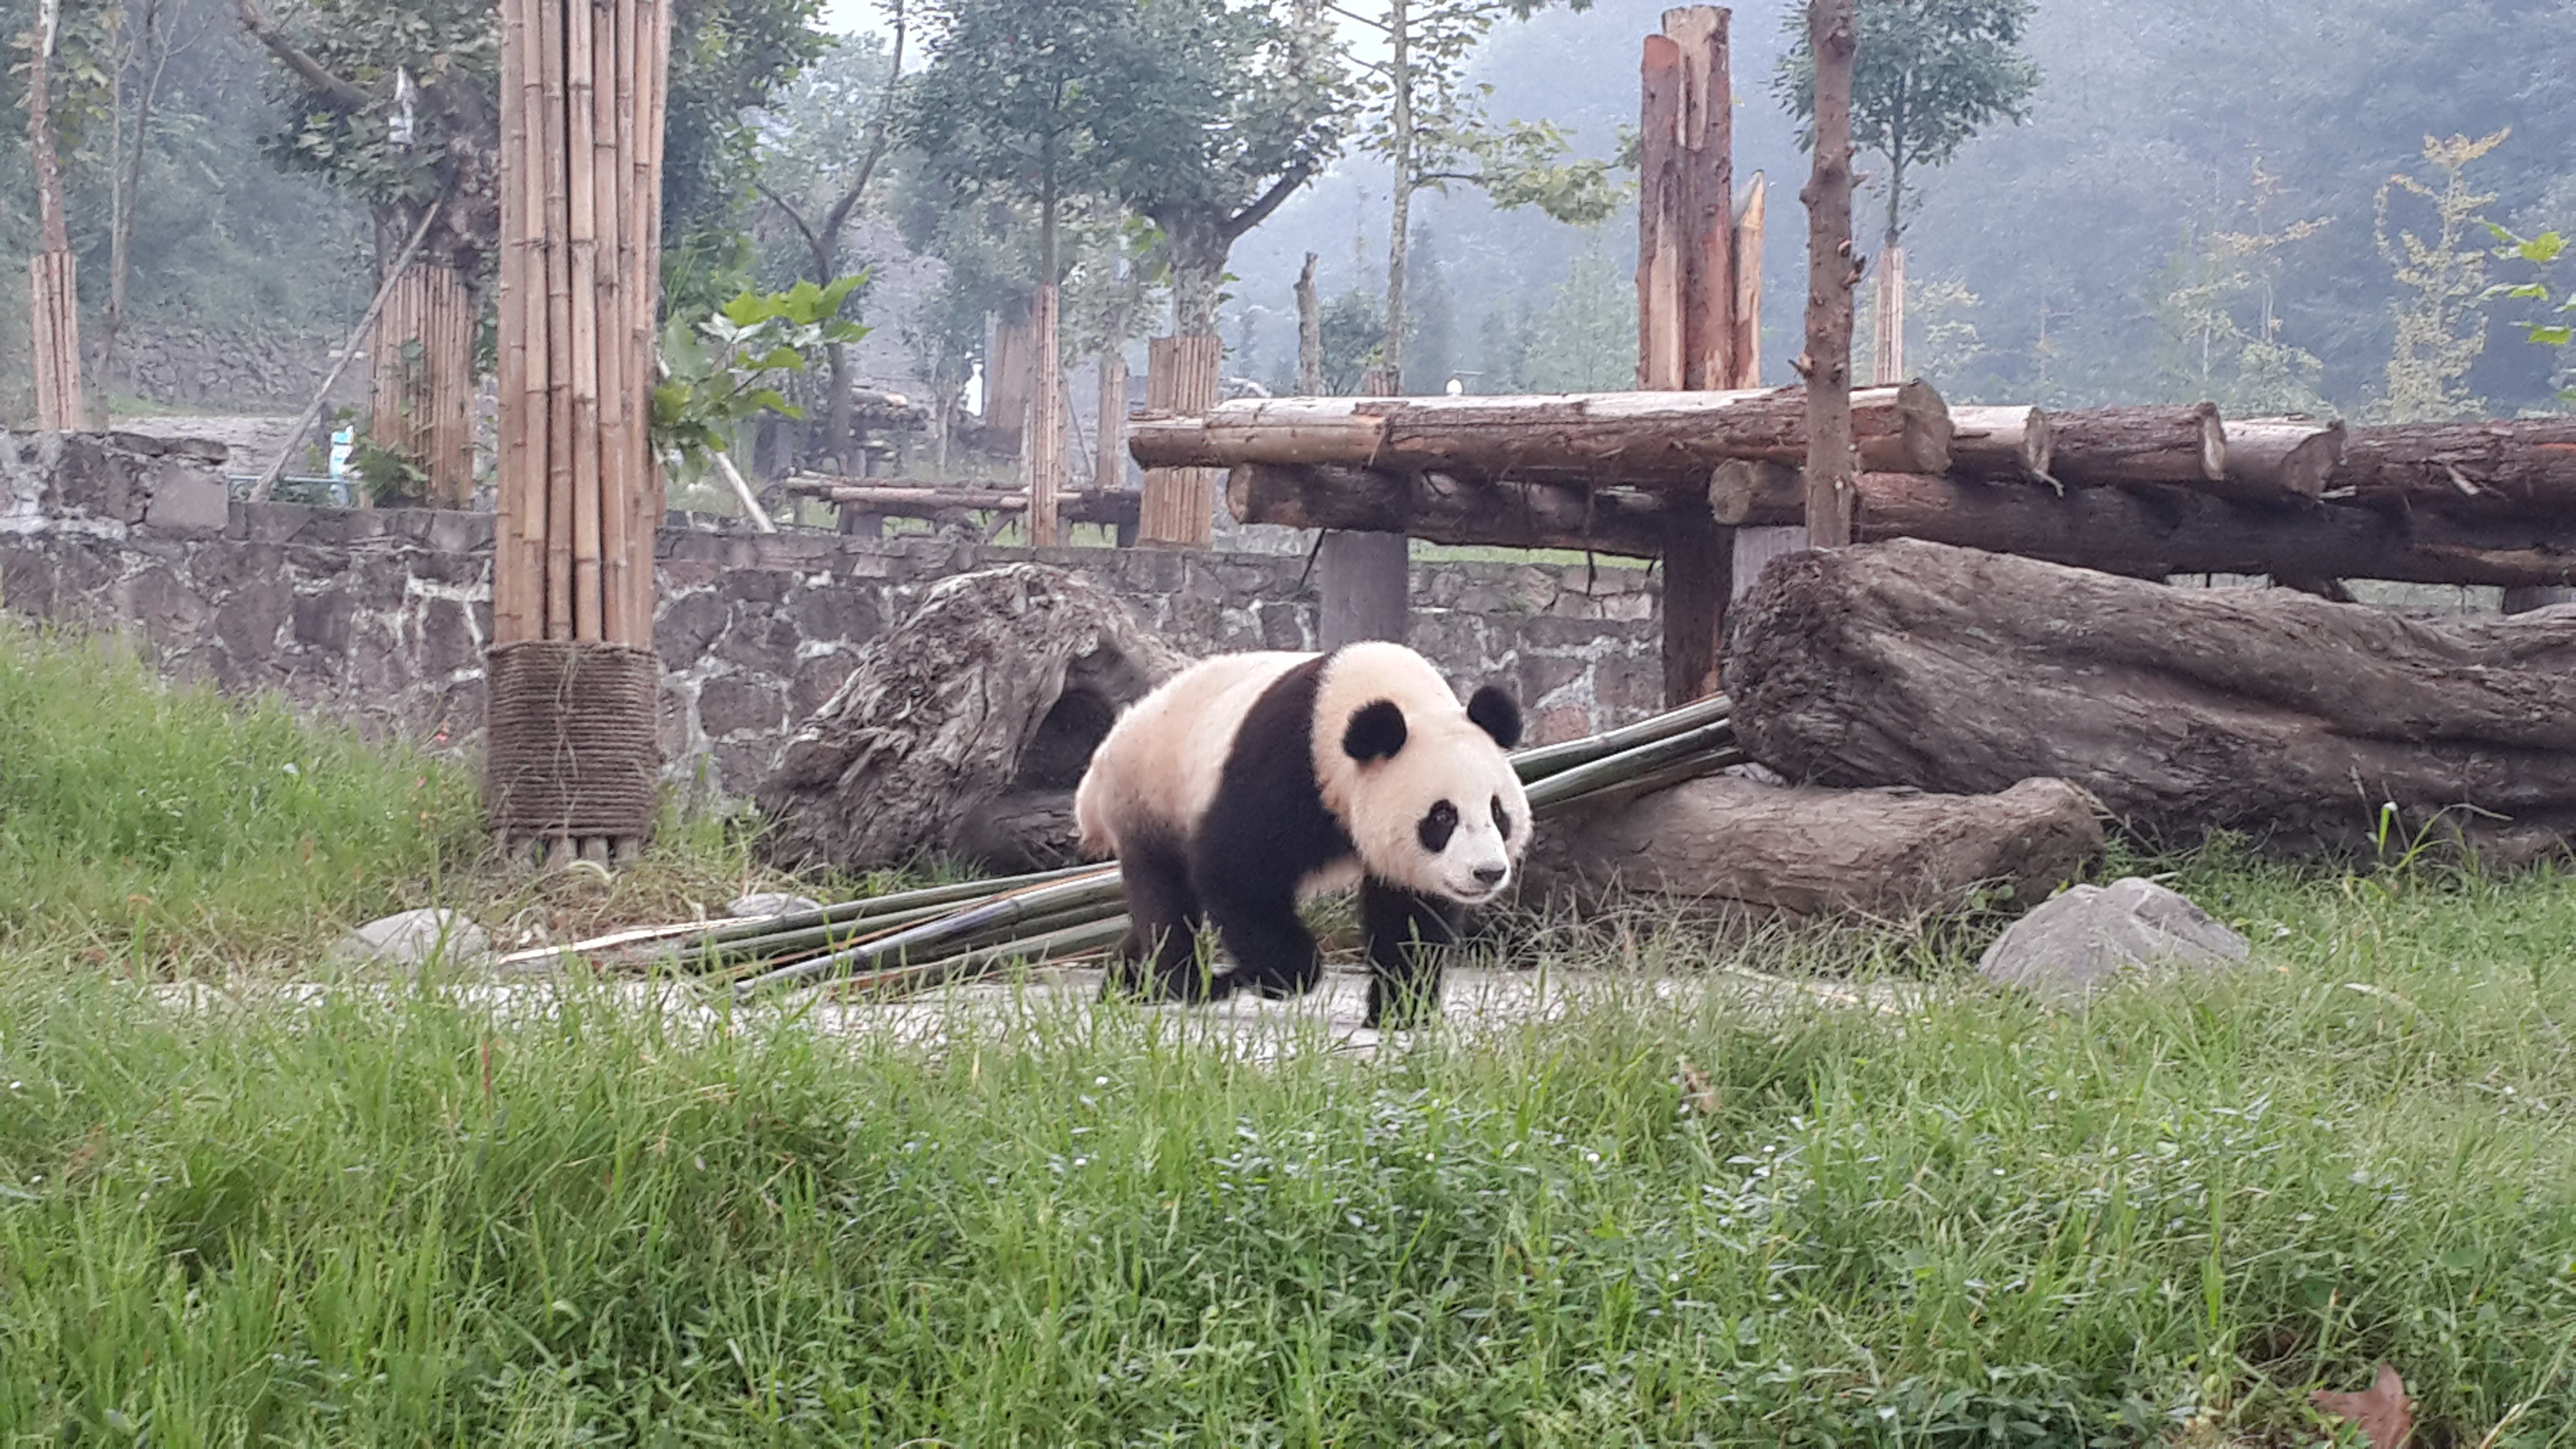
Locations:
(1833, 454)
(955, 732)
(2517, 465)
(2000, 442)
(2139, 445)
(1440, 508)
(1885, 854)
(2185, 711)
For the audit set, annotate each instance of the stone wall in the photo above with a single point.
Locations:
(380, 617)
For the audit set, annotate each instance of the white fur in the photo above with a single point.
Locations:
(1159, 766)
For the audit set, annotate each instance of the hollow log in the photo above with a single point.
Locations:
(2185, 711)
(956, 728)
(1881, 854)
(2152, 533)
(2000, 442)
(2283, 457)
(2096, 446)
(1441, 508)
(1644, 439)
(2508, 465)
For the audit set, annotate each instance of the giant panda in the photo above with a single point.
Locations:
(1250, 781)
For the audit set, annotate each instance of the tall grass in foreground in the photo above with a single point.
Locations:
(154, 821)
(410, 1215)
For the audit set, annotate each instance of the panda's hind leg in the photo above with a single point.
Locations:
(1158, 960)
(1408, 938)
(1274, 954)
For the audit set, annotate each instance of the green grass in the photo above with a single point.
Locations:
(156, 823)
(410, 1215)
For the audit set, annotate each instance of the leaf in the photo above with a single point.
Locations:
(2383, 1411)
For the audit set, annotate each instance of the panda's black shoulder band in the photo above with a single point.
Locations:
(1376, 732)
(1495, 712)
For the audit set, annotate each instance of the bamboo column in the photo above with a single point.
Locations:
(1180, 503)
(1688, 303)
(1042, 451)
(421, 379)
(573, 748)
(60, 405)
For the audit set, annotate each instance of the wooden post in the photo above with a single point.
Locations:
(1310, 333)
(1042, 451)
(61, 406)
(1109, 457)
(572, 749)
(1180, 503)
(1747, 263)
(421, 381)
(1832, 269)
(1887, 353)
(1688, 308)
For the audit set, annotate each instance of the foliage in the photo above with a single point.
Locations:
(2536, 251)
(1449, 138)
(2210, 353)
(2441, 328)
(1014, 102)
(157, 825)
(1352, 328)
(1585, 338)
(728, 367)
(1929, 75)
(1718, 1214)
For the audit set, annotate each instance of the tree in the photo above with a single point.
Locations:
(1215, 114)
(1428, 123)
(1928, 76)
(2441, 325)
(1585, 338)
(2210, 352)
(2538, 251)
(835, 131)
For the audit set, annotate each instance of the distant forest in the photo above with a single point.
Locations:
(2200, 205)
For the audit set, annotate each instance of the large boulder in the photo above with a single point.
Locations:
(2080, 942)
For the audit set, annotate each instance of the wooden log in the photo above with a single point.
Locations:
(2000, 442)
(2282, 457)
(1741, 494)
(1002, 684)
(1834, 451)
(1441, 508)
(2499, 466)
(1878, 854)
(1661, 207)
(1657, 439)
(1707, 167)
(2185, 711)
(1181, 377)
(2095, 446)
(1699, 579)
(2153, 533)
(1747, 262)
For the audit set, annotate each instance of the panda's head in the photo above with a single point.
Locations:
(1430, 799)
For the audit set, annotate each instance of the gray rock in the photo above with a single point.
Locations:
(771, 903)
(412, 938)
(2074, 945)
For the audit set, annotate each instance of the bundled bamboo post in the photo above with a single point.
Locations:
(421, 381)
(1042, 451)
(1109, 453)
(572, 744)
(60, 405)
(1690, 303)
(1180, 503)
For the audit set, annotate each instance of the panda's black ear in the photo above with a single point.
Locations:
(1376, 732)
(1494, 712)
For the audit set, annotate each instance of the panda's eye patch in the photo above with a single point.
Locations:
(1438, 826)
(1502, 817)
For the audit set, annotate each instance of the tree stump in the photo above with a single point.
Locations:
(2185, 711)
(962, 733)
(1881, 854)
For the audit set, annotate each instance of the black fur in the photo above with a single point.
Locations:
(1407, 937)
(1497, 714)
(1376, 732)
(1266, 830)
(1159, 959)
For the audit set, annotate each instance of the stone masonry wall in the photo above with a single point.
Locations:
(380, 617)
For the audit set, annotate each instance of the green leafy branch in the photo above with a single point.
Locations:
(2539, 251)
(726, 368)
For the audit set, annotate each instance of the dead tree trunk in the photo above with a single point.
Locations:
(2185, 711)
(980, 711)
(2525, 464)
(1882, 854)
(1832, 271)
(1668, 439)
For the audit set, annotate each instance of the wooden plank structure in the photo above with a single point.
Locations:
(573, 754)
(421, 378)
(61, 405)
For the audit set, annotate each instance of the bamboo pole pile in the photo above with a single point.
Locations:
(61, 405)
(573, 752)
(421, 378)
(914, 940)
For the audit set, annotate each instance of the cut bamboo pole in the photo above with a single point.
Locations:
(555, 223)
(616, 394)
(1042, 441)
(581, 232)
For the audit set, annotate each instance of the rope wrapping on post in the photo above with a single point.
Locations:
(572, 749)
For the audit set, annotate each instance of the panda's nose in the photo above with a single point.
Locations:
(1491, 875)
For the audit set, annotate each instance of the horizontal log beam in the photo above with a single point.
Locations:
(1640, 439)
(1112, 506)
(2525, 465)
(2282, 457)
(2102, 446)
(2000, 442)
(2154, 533)
(1439, 508)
